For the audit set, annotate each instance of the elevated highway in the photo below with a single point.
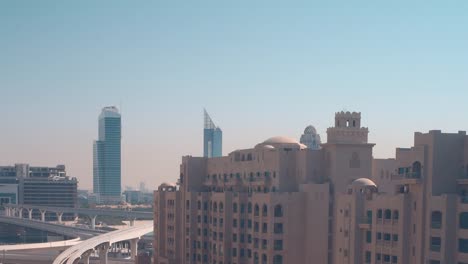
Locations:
(102, 243)
(17, 210)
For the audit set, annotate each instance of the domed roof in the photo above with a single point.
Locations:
(166, 184)
(280, 140)
(363, 182)
(310, 130)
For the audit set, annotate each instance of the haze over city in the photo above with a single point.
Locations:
(259, 71)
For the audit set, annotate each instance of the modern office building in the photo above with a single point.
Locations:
(310, 138)
(50, 186)
(107, 158)
(281, 202)
(212, 138)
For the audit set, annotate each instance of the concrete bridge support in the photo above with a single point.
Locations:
(59, 217)
(86, 256)
(30, 214)
(93, 221)
(103, 250)
(134, 248)
(43, 215)
(20, 213)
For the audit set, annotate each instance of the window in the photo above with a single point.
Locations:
(463, 245)
(264, 228)
(464, 220)
(265, 210)
(256, 210)
(234, 207)
(368, 236)
(436, 220)
(394, 259)
(379, 214)
(416, 170)
(249, 208)
(367, 258)
(278, 211)
(387, 237)
(388, 214)
(278, 259)
(278, 228)
(379, 236)
(435, 244)
(354, 162)
(278, 245)
(395, 237)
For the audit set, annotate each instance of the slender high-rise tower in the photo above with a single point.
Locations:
(212, 138)
(107, 157)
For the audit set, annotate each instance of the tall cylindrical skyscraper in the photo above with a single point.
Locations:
(107, 157)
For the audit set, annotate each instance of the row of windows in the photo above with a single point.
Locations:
(238, 175)
(243, 253)
(380, 257)
(277, 229)
(387, 214)
(214, 206)
(379, 236)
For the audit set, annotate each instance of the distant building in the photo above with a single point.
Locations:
(138, 197)
(310, 138)
(107, 158)
(212, 138)
(48, 186)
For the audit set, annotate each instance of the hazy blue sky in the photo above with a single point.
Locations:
(261, 69)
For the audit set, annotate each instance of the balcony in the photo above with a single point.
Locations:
(365, 223)
(407, 178)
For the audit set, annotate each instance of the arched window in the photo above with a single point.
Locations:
(379, 213)
(355, 161)
(215, 207)
(249, 208)
(221, 207)
(278, 210)
(264, 259)
(256, 210)
(265, 210)
(278, 259)
(347, 123)
(234, 207)
(416, 169)
(199, 205)
(354, 123)
(388, 214)
(256, 258)
(436, 220)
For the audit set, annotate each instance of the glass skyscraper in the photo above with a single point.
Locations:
(107, 157)
(212, 138)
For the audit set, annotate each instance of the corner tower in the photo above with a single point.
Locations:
(348, 155)
(347, 129)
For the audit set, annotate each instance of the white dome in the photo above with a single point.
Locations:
(280, 140)
(310, 130)
(363, 182)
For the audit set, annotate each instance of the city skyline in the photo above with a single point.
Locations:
(261, 72)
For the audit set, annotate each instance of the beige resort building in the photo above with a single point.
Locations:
(281, 202)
